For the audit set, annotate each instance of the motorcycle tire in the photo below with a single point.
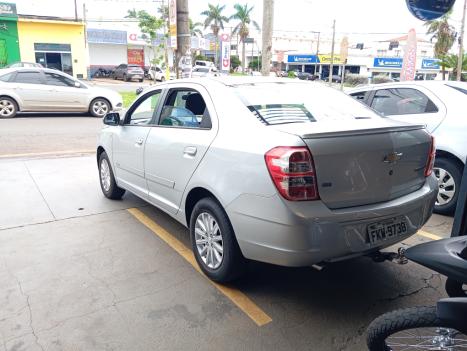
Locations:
(455, 288)
(386, 333)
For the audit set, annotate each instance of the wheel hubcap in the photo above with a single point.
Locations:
(208, 240)
(427, 339)
(105, 175)
(100, 108)
(6, 108)
(447, 186)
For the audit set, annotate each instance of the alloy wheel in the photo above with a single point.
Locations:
(105, 175)
(446, 184)
(7, 108)
(208, 238)
(427, 339)
(100, 108)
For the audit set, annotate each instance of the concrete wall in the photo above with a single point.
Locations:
(32, 31)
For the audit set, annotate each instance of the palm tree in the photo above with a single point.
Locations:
(242, 14)
(450, 61)
(194, 30)
(215, 20)
(445, 34)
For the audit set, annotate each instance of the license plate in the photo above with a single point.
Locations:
(382, 231)
(137, 77)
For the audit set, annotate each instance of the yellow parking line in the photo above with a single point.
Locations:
(48, 153)
(429, 235)
(236, 296)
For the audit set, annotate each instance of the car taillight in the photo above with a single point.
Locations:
(431, 158)
(293, 172)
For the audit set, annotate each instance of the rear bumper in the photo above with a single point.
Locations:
(273, 230)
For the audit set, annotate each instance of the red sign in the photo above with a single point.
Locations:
(136, 57)
(410, 57)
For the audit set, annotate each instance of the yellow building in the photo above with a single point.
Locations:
(58, 44)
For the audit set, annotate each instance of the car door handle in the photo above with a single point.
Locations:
(190, 151)
(139, 142)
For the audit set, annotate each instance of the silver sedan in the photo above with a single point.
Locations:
(291, 173)
(48, 90)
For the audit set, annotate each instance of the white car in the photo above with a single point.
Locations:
(46, 90)
(158, 74)
(442, 107)
(204, 72)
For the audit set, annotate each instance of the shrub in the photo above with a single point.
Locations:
(355, 79)
(381, 78)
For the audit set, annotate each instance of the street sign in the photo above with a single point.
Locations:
(173, 23)
(7, 9)
(427, 10)
(410, 57)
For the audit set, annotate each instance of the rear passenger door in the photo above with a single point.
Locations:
(186, 127)
(415, 105)
(66, 96)
(29, 85)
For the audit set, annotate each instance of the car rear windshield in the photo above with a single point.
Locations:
(281, 103)
(462, 90)
(134, 66)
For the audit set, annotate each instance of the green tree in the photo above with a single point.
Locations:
(242, 14)
(150, 27)
(194, 28)
(450, 61)
(215, 20)
(445, 35)
(255, 64)
(235, 62)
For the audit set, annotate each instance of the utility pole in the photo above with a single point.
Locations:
(331, 66)
(183, 30)
(268, 23)
(460, 59)
(76, 12)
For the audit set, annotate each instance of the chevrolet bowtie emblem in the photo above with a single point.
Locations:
(393, 157)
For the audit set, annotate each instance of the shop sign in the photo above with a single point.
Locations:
(225, 52)
(173, 23)
(430, 64)
(136, 57)
(52, 47)
(137, 38)
(302, 59)
(7, 9)
(326, 59)
(4, 26)
(105, 36)
(387, 62)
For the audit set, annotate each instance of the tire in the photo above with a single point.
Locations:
(107, 180)
(381, 332)
(99, 107)
(231, 264)
(447, 171)
(162, 79)
(141, 80)
(8, 107)
(455, 288)
(125, 78)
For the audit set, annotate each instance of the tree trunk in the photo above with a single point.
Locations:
(217, 51)
(243, 55)
(443, 71)
(268, 16)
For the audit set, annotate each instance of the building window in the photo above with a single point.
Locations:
(424, 53)
(397, 53)
(381, 53)
(233, 47)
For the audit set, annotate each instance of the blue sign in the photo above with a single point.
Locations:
(430, 64)
(427, 10)
(387, 62)
(105, 36)
(302, 59)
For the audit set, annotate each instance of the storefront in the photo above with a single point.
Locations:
(9, 43)
(54, 44)
(426, 69)
(107, 48)
(319, 65)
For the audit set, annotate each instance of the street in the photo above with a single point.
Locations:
(81, 272)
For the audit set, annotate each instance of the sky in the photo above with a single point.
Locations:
(353, 17)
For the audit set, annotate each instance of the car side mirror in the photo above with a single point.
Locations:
(112, 118)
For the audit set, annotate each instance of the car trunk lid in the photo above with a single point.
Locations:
(362, 162)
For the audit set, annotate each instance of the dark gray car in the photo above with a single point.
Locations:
(128, 72)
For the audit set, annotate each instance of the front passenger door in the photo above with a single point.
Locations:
(130, 141)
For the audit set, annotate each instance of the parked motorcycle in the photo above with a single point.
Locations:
(101, 73)
(440, 327)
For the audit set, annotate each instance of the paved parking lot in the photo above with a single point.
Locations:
(80, 272)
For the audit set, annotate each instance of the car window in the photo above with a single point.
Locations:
(146, 109)
(58, 80)
(6, 77)
(360, 96)
(402, 101)
(185, 108)
(28, 77)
